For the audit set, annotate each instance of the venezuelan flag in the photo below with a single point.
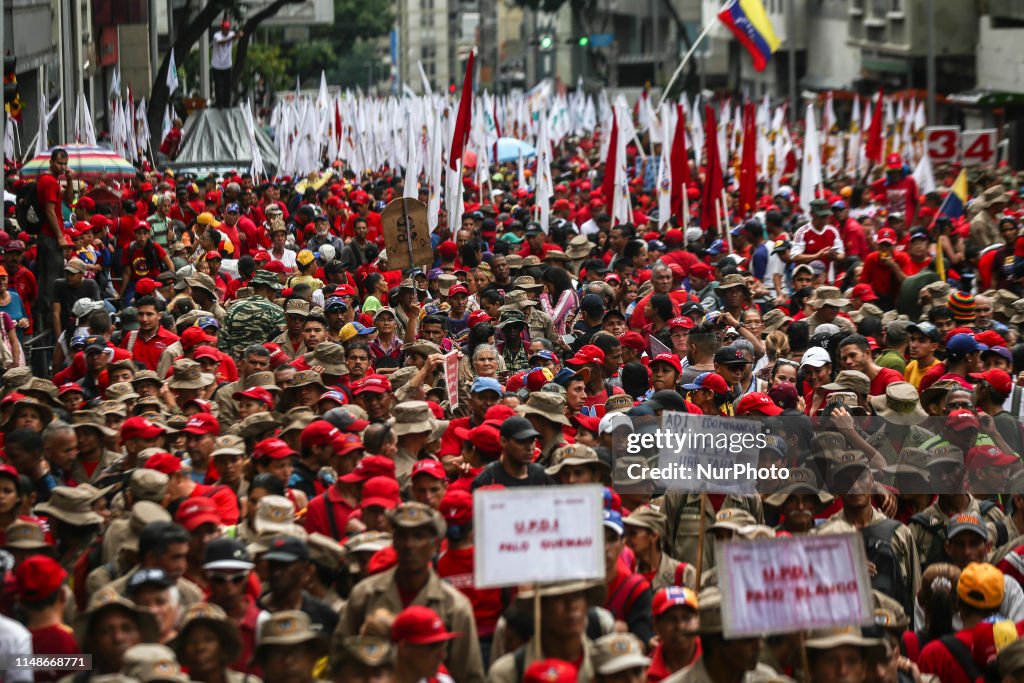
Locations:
(956, 200)
(750, 24)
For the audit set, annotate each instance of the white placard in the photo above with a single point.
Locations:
(980, 147)
(538, 535)
(943, 143)
(788, 584)
(708, 453)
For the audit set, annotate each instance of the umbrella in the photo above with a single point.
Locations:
(509, 150)
(86, 161)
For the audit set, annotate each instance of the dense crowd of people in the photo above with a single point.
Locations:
(231, 452)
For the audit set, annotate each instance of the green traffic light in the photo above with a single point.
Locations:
(546, 42)
(584, 41)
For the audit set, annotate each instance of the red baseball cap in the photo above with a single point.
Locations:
(457, 289)
(202, 423)
(256, 394)
(457, 507)
(420, 625)
(194, 336)
(671, 359)
(757, 403)
(381, 492)
(988, 456)
(681, 321)
(194, 512)
(864, 293)
(69, 386)
(633, 340)
(886, 236)
(673, 596)
(319, 433)
(369, 467)
(374, 384)
(431, 468)
(893, 162)
(277, 354)
(701, 270)
(961, 419)
(38, 577)
(163, 462)
(272, 449)
(711, 381)
(479, 316)
(146, 286)
(346, 443)
(990, 338)
(999, 379)
(550, 671)
(587, 355)
(448, 249)
(140, 428)
(206, 351)
(275, 266)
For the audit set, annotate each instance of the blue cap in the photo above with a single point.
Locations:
(543, 354)
(564, 375)
(613, 521)
(482, 384)
(737, 231)
(79, 340)
(656, 245)
(716, 247)
(335, 302)
(363, 329)
(1000, 351)
(233, 208)
(962, 344)
(208, 321)
(839, 204)
(697, 383)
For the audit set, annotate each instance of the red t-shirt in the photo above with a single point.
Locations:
(658, 670)
(932, 375)
(456, 567)
(878, 274)
(374, 229)
(899, 196)
(57, 639)
(883, 379)
(48, 191)
(139, 265)
(317, 510)
(224, 497)
(147, 351)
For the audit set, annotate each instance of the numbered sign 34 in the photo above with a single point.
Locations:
(979, 147)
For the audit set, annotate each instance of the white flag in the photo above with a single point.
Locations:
(172, 75)
(664, 181)
(923, 175)
(810, 171)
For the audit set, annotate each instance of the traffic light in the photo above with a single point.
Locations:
(547, 41)
(12, 100)
(584, 41)
(451, 88)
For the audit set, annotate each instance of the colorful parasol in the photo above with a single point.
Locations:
(86, 161)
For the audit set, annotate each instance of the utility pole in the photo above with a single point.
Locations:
(204, 65)
(154, 51)
(932, 120)
(791, 39)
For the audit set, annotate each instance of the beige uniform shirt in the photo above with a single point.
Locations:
(903, 546)
(682, 512)
(698, 673)
(504, 670)
(379, 591)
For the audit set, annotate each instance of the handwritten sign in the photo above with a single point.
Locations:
(707, 453)
(538, 535)
(407, 245)
(451, 377)
(789, 584)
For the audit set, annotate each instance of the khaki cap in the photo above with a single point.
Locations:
(188, 374)
(733, 519)
(151, 662)
(148, 485)
(850, 380)
(647, 517)
(121, 392)
(618, 652)
(414, 515)
(366, 650)
(576, 454)
(546, 404)
(900, 405)
(71, 505)
(291, 627)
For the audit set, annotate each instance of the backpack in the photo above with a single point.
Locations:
(936, 549)
(28, 210)
(1002, 533)
(888, 578)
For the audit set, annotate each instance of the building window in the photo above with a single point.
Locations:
(426, 5)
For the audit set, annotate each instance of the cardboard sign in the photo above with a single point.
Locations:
(789, 584)
(538, 535)
(451, 378)
(943, 143)
(407, 245)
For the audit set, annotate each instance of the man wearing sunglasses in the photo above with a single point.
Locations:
(228, 566)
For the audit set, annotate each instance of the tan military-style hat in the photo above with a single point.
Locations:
(546, 404)
(413, 515)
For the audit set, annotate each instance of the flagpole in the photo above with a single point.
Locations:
(689, 53)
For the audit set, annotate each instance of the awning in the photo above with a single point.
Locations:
(987, 98)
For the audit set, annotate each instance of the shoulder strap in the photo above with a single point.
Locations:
(962, 656)
(520, 659)
(1015, 405)
(132, 338)
(329, 509)
(623, 595)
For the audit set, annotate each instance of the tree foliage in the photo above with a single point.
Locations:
(266, 61)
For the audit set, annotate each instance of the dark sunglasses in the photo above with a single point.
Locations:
(221, 577)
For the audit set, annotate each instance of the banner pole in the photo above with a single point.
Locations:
(700, 539)
(537, 647)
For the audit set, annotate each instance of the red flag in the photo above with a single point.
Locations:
(464, 119)
(713, 181)
(873, 147)
(337, 122)
(608, 184)
(748, 164)
(680, 164)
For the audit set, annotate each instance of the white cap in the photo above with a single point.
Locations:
(826, 328)
(815, 357)
(610, 421)
(693, 234)
(326, 253)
